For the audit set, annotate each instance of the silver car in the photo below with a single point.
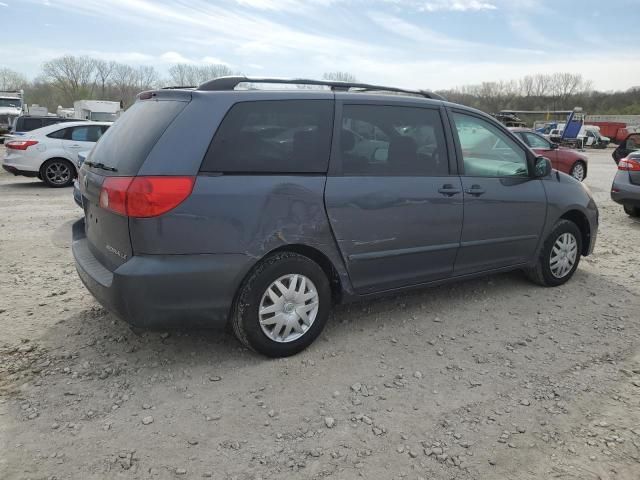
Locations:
(626, 184)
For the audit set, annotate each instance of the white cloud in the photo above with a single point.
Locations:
(286, 5)
(384, 41)
(522, 27)
(458, 6)
(2, 4)
(174, 57)
(441, 5)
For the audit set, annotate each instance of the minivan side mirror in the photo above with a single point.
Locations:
(554, 146)
(543, 167)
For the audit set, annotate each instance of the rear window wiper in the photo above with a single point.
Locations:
(101, 166)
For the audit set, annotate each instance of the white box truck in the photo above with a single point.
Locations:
(96, 110)
(11, 105)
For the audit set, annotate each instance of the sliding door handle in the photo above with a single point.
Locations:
(476, 190)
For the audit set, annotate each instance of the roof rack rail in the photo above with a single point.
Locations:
(230, 83)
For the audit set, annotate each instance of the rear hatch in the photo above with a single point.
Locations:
(116, 159)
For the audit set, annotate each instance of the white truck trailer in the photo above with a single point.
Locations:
(96, 110)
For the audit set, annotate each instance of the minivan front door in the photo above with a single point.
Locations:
(395, 210)
(504, 207)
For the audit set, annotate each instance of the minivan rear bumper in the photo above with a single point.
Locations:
(169, 291)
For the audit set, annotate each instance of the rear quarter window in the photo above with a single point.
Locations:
(29, 124)
(273, 136)
(126, 144)
(60, 134)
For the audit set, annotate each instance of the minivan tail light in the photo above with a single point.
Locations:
(21, 144)
(629, 164)
(113, 195)
(143, 197)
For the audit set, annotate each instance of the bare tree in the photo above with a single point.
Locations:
(104, 70)
(541, 85)
(146, 78)
(124, 79)
(340, 77)
(209, 72)
(178, 75)
(192, 75)
(11, 80)
(75, 77)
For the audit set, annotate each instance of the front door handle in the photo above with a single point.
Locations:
(476, 190)
(448, 190)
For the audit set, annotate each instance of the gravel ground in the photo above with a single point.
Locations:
(493, 378)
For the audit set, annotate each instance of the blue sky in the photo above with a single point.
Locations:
(410, 43)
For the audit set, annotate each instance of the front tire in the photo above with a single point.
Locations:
(57, 173)
(579, 171)
(559, 256)
(282, 305)
(631, 211)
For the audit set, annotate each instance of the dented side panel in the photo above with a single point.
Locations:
(237, 214)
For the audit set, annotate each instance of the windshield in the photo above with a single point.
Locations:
(10, 102)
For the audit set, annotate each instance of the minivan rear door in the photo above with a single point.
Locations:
(394, 204)
(121, 152)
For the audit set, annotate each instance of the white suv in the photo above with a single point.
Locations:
(51, 153)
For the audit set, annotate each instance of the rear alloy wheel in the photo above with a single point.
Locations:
(578, 171)
(559, 256)
(631, 211)
(57, 173)
(282, 306)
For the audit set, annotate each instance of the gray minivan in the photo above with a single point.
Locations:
(222, 205)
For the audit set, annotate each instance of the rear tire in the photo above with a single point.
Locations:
(57, 173)
(631, 211)
(265, 314)
(559, 256)
(579, 171)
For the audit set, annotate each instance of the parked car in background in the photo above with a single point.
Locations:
(591, 137)
(51, 153)
(248, 225)
(28, 123)
(77, 196)
(563, 159)
(630, 144)
(626, 184)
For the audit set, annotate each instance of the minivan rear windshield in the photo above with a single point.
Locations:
(125, 146)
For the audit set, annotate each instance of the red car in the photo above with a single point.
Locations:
(563, 159)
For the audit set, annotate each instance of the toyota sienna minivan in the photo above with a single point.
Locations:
(258, 209)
